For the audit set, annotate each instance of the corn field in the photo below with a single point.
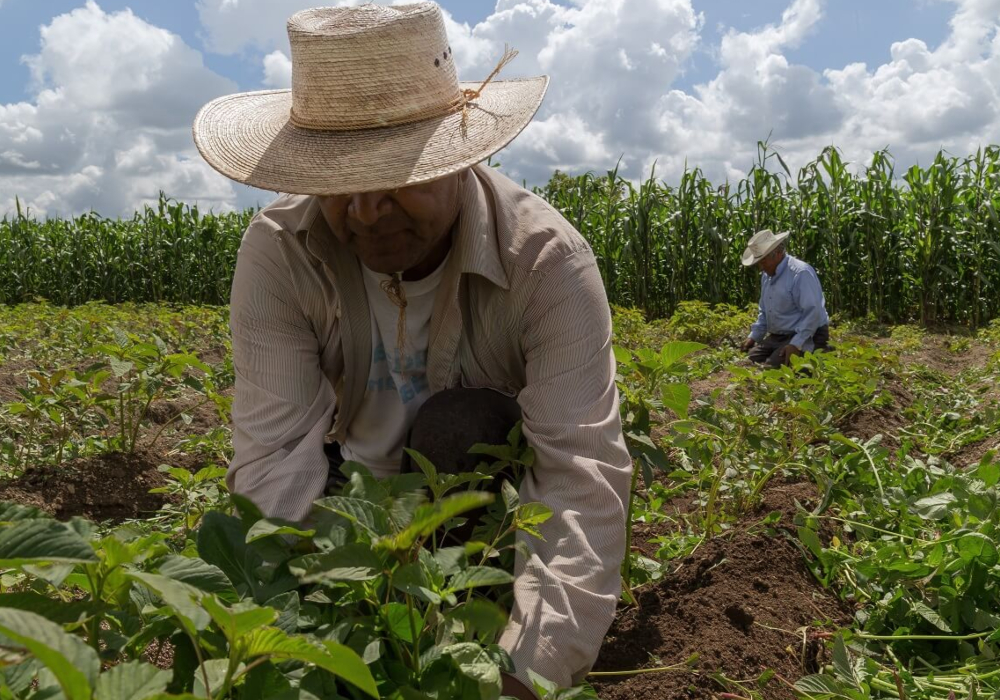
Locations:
(922, 245)
(172, 253)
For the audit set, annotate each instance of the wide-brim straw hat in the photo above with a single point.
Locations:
(375, 104)
(762, 243)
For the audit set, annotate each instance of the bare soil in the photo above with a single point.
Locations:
(112, 486)
(744, 604)
(881, 420)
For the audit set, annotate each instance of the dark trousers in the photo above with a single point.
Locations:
(768, 351)
(447, 425)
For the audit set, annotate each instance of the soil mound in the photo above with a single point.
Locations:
(112, 486)
(739, 603)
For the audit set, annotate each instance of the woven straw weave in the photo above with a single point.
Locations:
(375, 104)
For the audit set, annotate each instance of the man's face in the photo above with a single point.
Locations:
(397, 230)
(769, 263)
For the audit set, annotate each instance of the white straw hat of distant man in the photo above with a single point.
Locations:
(375, 105)
(761, 245)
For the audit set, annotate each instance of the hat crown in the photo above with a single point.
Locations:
(761, 242)
(371, 66)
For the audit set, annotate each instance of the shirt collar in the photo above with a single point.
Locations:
(475, 248)
(780, 268)
(476, 242)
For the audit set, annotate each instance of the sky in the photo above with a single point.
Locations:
(97, 98)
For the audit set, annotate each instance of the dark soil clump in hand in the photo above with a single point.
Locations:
(112, 486)
(744, 604)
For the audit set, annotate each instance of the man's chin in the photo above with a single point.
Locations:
(386, 266)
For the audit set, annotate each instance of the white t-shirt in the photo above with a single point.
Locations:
(397, 384)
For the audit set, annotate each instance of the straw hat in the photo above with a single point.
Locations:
(762, 243)
(375, 104)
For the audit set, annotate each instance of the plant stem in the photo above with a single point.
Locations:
(919, 637)
(641, 671)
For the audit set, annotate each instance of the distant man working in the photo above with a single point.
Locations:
(792, 316)
(405, 294)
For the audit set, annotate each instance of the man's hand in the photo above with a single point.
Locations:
(516, 689)
(787, 352)
(747, 344)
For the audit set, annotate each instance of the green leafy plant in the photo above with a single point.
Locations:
(145, 372)
(647, 383)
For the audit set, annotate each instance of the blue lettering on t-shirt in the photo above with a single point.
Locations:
(414, 376)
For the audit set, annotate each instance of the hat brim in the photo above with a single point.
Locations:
(749, 258)
(248, 138)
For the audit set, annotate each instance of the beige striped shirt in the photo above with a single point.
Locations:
(520, 309)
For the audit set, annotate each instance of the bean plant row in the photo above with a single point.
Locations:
(375, 596)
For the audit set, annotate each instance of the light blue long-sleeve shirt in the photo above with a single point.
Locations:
(791, 302)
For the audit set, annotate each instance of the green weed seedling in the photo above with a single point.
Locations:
(648, 384)
(362, 603)
(145, 372)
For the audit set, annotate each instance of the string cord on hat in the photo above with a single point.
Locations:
(468, 96)
(393, 288)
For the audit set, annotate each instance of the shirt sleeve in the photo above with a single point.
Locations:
(283, 403)
(808, 295)
(758, 330)
(567, 590)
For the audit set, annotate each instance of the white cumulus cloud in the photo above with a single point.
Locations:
(277, 70)
(109, 122)
(109, 118)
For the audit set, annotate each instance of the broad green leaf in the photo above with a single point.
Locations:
(676, 397)
(977, 547)
(373, 518)
(511, 500)
(481, 615)
(533, 514)
(987, 471)
(268, 528)
(451, 559)
(398, 618)
(330, 656)
(200, 574)
(529, 516)
(476, 664)
(265, 682)
(221, 542)
(476, 576)
(134, 680)
(40, 541)
(12, 512)
(431, 516)
(73, 663)
(425, 465)
(676, 350)
(214, 670)
(19, 677)
(811, 540)
(931, 616)
(412, 578)
(934, 507)
(182, 599)
(352, 562)
(842, 662)
(623, 356)
(58, 611)
(821, 685)
(56, 574)
(287, 605)
(239, 620)
(543, 686)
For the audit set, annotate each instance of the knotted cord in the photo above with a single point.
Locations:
(393, 288)
(509, 55)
